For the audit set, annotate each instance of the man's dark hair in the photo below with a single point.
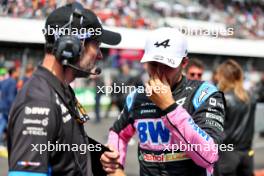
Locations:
(11, 70)
(195, 63)
(49, 44)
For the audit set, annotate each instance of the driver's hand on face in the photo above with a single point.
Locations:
(160, 92)
(111, 165)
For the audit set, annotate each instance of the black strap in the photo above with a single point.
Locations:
(59, 93)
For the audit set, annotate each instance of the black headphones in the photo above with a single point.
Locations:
(68, 48)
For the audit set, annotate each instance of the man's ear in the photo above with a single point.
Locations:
(185, 62)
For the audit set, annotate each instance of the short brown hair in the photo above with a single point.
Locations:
(195, 63)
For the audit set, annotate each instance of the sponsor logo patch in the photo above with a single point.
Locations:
(28, 163)
(34, 131)
(37, 110)
(43, 122)
(153, 132)
(169, 157)
(148, 111)
(196, 128)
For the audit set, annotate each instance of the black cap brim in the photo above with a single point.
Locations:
(110, 37)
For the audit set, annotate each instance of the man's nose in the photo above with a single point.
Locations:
(99, 55)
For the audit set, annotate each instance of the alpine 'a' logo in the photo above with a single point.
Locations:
(203, 93)
(165, 43)
(181, 101)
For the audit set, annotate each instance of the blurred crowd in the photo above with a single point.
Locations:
(27, 8)
(246, 18)
(11, 81)
(111, 12)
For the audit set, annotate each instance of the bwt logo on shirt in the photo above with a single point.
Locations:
(37, 110)
(198, 130)
(153, 131)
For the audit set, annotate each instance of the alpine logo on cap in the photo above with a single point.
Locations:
(165, 43)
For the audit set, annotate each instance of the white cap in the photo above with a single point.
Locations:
(165, 45)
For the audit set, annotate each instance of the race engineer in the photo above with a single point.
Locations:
(179, 122)
(45, 130)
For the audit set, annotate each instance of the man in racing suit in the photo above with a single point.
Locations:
(178, 128)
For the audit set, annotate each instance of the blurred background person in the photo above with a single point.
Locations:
(214, 76)
(3, 74)
(8, 91)
(121, 81)
(195, 69)
(259, 92)
(239, 122)
(24, 78)
(28, 73)
(99, 83)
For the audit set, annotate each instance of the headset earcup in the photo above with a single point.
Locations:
(69, 48)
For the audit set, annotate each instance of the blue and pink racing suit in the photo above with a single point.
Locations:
(181, 140)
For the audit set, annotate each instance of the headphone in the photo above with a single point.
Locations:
(68, 48)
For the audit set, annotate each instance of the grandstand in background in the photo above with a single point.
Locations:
(244, 16)
(226, 29)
